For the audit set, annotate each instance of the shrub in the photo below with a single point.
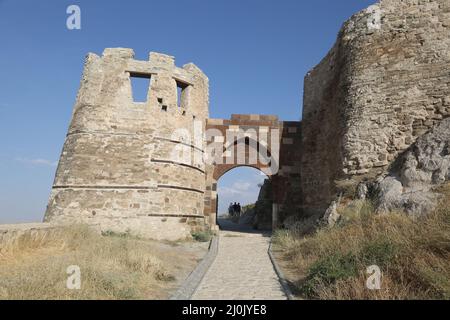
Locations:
(202, 236)
(327, 271)
(380, 252)
(413, 254)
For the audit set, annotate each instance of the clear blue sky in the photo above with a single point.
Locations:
(255, 54)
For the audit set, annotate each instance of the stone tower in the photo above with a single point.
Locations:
(117, 168)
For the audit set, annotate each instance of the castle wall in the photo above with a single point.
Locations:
(384, 83)
(117, 167)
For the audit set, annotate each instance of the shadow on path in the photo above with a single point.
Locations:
(229, 226)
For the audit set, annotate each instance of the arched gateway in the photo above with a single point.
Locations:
(259, 141)
(120, 167)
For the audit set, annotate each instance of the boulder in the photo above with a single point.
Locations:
(425, 165)
(362, 191)
(332, 216)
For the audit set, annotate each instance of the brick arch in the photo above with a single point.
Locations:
(221, 169)
(289, 137)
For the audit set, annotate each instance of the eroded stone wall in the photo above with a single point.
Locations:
(117, 167)
(384, 83)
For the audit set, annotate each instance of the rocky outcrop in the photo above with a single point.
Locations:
(263, 207)
(410, 184)
(384, 84)
(332, 216)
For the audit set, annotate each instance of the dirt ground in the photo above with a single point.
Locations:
(292, 276)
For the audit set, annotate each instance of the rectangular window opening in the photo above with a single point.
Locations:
(181, 94)
(140, 86)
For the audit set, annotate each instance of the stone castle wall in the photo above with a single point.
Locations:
(117, 167)
(384, 83)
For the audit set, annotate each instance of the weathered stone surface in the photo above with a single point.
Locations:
(117, 167)
(331, 216)
(384, 83)
(263, 207)
(424, 165)
(362, 191)
(390, 192)
(382, 86)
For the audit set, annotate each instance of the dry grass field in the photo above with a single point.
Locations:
(413, 255)
(113, 266)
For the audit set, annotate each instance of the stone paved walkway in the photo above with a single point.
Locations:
(242, 269)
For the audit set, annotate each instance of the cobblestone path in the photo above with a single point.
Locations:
(242, 269)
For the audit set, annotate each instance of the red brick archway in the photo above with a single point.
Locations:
(262, 132)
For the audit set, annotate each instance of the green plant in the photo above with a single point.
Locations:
(413, 254)
(202, 236)
(380, 252)
(110, 233)
(327, 271)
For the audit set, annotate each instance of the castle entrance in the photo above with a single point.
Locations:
(257, 141)
(244, 198)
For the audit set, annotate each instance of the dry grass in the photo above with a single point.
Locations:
(34, 266)
(414, 255)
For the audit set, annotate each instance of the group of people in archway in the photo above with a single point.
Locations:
(234, 210)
